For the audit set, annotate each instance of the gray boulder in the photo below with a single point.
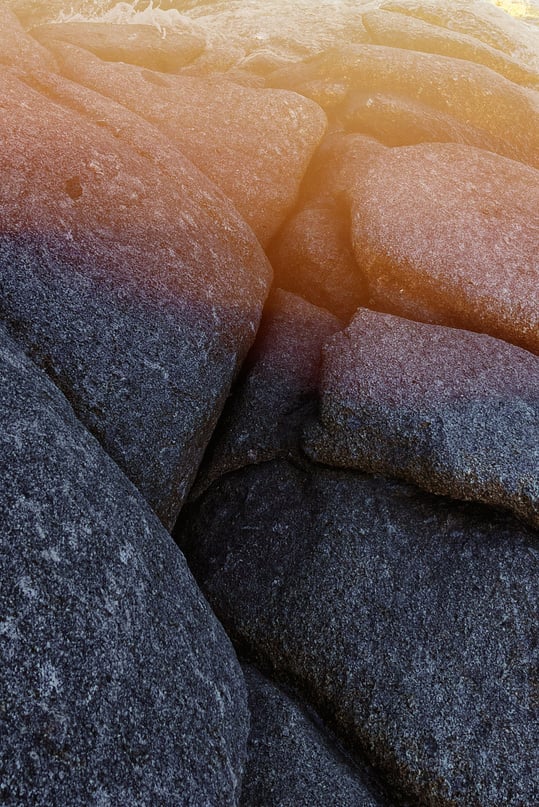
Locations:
(292, 761)
(138, 288)
(276, 391)
(455, 412)
(408, 620)
(119, 686)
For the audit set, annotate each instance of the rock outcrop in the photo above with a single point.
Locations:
(254, 145)
(455, 412)
(119, 686)
(409, 621)
(139, 292)
(292, 760)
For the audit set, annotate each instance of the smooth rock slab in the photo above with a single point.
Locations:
(276, 390)
(455, 412)
(403, 31)
(144, 45)
(253, 144)
(139, 289)
(292, 761)
(471, 93)
(119, 686)
(410, 621)
(465, 253)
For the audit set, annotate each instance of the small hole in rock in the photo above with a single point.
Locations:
(74, 188)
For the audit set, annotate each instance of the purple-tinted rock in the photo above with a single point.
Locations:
(455, 412)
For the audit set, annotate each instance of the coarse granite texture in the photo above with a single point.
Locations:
(454, 412)
(118, 685)
(408, 620)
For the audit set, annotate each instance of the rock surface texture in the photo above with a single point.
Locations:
(138, 292)
(118, 684)
(455, 412)
(254, 145)
(410, 621)
(465, 253)
(291, 760)
(269, 281)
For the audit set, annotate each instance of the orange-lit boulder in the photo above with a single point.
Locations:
(255, 145)
(136, 286)
(484, 21)
(398, 120)
(19, 48)
(312, 254)
(136, 44)
(403, 31)
(313, 257)
(471, 93)
(449, 234)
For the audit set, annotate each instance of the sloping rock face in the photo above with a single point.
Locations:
(144, 45)
(139, 292)
(465, 252)
(410, 621)
(255, 145)
(469, 92)
(276, 391)
(455, 412)
(118, 684)
(292, 760)
(18, 48)
(402, 31)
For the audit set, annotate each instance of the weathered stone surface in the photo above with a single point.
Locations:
(455, 412)
(139, 291)
(465, 252)
(312, 254)
(276, 391)
(403, 31)
(291, 759)
(484, 21)
(398, 121)
(410, 621)
(239, 31)
(144, 45)
(471, 93)
(20, 49)
(118, 684)
(255, 145)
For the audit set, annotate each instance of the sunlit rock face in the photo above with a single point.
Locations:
(254, 145)
(19, 49)
(469, 92)
(138, 44)
(139, 290)
(291, 760)
(408, 620)
(454, 412)
(119, 686)
(448, 234)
